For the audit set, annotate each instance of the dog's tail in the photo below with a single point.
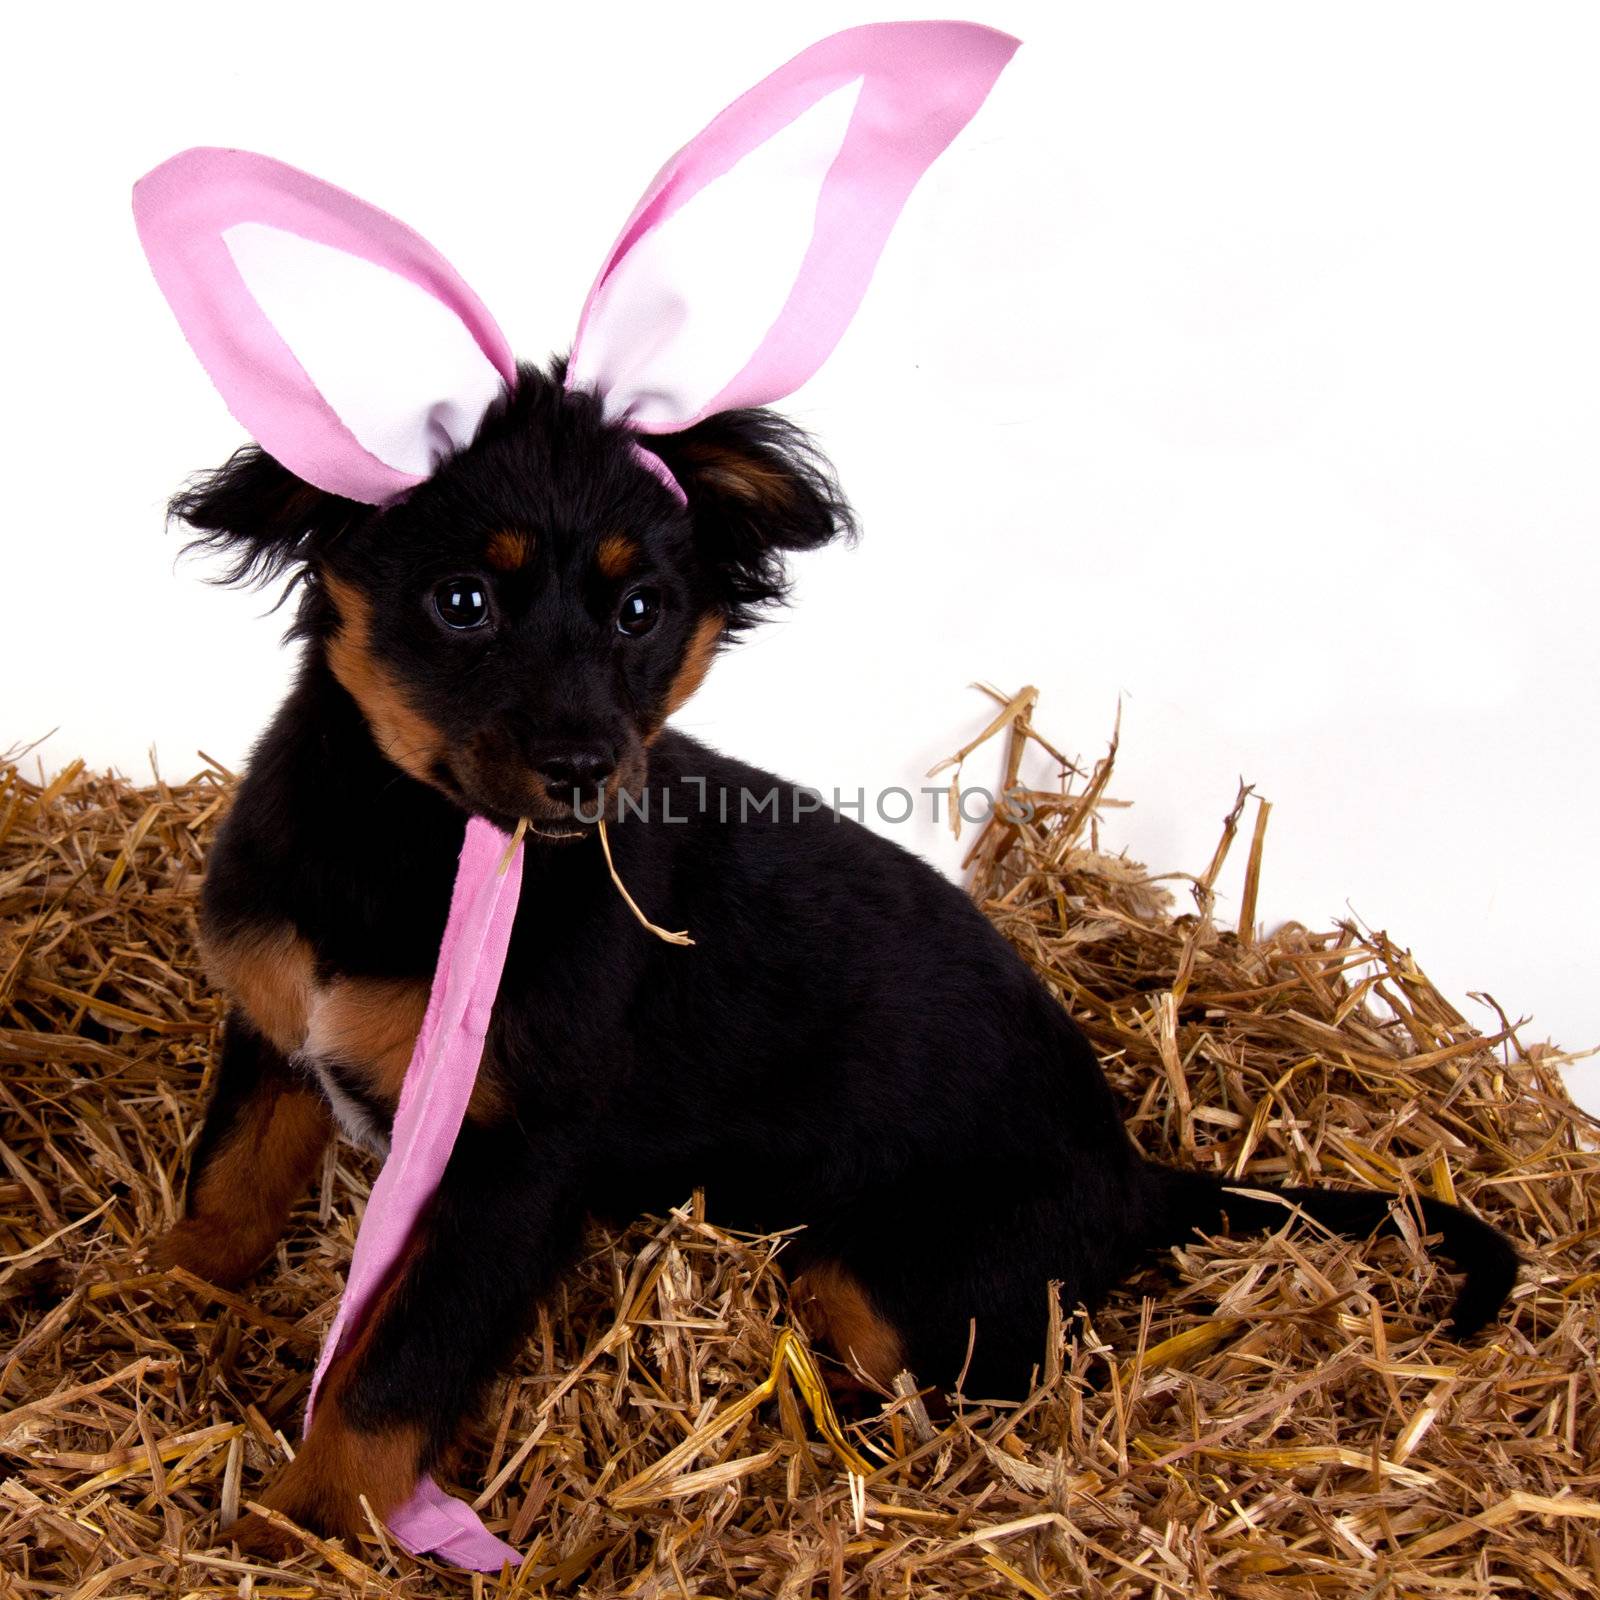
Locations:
(1199, 1200)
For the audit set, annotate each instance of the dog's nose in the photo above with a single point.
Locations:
(575, 766)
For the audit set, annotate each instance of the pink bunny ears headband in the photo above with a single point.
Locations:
(357, 357)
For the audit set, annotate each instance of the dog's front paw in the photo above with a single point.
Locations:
(322, 1489)
(266, 1541)
(209, 1250)
(307, 1501)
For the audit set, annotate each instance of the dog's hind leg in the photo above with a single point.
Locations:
(263, 1135)
(837, 1309)
(948, 1273)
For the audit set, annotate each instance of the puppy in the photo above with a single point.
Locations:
(848, 1047)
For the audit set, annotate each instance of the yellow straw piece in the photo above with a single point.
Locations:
(791, 1359)
(633, 905)
(511, 849)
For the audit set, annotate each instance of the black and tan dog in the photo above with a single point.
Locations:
(848, 1046)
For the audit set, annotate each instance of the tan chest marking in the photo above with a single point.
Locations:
(370, 1026)
(269, 974)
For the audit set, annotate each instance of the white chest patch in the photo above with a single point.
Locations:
(355, 1121)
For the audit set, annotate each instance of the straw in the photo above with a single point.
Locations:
(1253, 1417)
(632, 904)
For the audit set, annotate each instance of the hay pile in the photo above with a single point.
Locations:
(1275, 1417)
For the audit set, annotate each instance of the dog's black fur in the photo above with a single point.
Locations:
(848, 1045)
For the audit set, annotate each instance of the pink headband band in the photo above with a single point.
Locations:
(353, 352)
(355, 355)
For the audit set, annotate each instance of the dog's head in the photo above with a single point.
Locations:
(512, 594)
(516, 630)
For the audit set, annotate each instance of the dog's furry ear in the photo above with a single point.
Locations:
(757, 487)
(258, 514)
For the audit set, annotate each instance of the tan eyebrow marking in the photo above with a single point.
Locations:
(616, 554)
(509, 550)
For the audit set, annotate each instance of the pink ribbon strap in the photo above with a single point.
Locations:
(433, 1103)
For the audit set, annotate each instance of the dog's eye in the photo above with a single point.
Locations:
(461, 603)
(639, 612)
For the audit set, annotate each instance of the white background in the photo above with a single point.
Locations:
(1239, 364)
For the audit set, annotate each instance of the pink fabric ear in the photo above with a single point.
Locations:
(343, 341)
(744, 262)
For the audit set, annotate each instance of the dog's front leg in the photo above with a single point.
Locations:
(504, 1223)
(263, 1134)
